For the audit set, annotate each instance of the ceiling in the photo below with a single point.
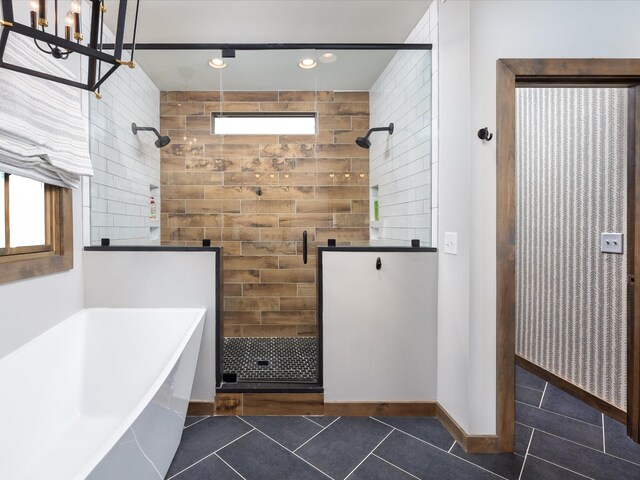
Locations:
(267, 21)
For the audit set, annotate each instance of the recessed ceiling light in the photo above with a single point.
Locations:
(328, 57)
(307, 63)
(217, 63)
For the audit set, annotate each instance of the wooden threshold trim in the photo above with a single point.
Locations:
(282, 404)
(200, 409)
(392, 409)
(573, 390)
(469, 443)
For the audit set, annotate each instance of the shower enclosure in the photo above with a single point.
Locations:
(263, 161)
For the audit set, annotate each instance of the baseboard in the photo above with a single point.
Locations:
(390, 409)
(313, 404)
(470, 443)
(559, 382)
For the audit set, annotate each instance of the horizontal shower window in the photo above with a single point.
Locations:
(268, 124)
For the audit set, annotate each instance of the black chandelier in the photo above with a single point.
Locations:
(61, 47)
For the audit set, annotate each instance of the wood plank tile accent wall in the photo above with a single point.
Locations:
(318, 183)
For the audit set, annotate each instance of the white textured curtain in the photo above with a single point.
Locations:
(42, 129)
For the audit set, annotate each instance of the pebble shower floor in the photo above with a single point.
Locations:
(272, 359)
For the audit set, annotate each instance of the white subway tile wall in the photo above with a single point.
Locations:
(126, 166)
(403, 165)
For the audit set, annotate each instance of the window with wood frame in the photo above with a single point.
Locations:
(36, 231)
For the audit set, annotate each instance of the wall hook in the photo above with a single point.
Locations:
(483, 134)
(259, 191)
(378, 264)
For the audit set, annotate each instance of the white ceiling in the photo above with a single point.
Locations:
(267, 21)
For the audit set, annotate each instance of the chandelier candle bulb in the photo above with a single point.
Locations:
(76, 7)
(69, 22)
(42, 14)
(34, 13)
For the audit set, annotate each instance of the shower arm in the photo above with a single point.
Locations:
(146, 129)
(377, 129)
(380, 129)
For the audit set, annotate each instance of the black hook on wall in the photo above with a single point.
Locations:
(483, 134)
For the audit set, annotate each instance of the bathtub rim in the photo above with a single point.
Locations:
(88, 465)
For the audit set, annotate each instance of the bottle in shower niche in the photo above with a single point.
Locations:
(152, 208)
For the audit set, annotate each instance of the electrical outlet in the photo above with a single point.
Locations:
(611, 242)
(451, 243)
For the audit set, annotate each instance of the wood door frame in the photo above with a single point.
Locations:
(512, 73)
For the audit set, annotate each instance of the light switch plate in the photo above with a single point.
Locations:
(451, 243)
(611, 242)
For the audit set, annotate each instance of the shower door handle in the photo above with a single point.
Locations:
(304, 247)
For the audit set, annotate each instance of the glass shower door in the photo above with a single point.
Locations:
(269, 320)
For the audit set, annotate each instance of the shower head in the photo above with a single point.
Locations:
(364, 142)
(162, 141)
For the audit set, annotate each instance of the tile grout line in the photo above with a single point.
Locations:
(581, 445)
(452, 445)
(457, 457)
(435, 446)
(524, 462)
(395, 466)
(560, 466)
(195, 423)
(207, 456)
(604, 443)
(543, 392)
(323, 429)
(316, 423)
(559, 414)
(412, 436)
(370, 453)
(531, 388)
(292, 451)
(223, 460)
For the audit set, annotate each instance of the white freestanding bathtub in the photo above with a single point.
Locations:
(102, 395)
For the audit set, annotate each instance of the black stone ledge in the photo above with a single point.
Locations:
(150, 248)
(379, 249)
(269, 387)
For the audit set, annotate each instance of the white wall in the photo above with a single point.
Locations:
(159, 279)
(380, 340)
(29, 307)
(125, 165)
(473, 35)
(401, 164)
(454, 185)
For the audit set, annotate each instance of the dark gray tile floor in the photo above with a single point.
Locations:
(557, 437)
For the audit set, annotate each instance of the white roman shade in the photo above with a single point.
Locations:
(42, 130)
